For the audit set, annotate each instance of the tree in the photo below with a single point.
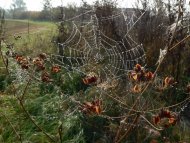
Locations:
(46, 13)
(17, 7)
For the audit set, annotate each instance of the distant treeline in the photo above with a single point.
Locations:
(55, 14)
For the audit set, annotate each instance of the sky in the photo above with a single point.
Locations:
(37, 5)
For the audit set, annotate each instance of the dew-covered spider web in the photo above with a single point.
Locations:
(88, 49)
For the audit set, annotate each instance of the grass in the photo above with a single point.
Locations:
(37, 40)
(34, 39)
(21, 26)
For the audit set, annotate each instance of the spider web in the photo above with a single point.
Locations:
(88, 49)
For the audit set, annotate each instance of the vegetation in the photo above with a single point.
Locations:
(46, 96)
(17, 8)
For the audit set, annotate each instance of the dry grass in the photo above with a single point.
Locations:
(16, 27)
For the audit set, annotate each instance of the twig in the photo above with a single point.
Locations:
(60, 131)
(25, 89)
(33, 121)
(117, 100)
(4, 62)
(159, 129)
(27, 85)
(18, 136)
(179, 42)
(135, 22)
(130, 128)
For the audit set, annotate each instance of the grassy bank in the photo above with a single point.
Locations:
(35, 36)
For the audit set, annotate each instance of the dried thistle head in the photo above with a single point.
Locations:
(42, 56)
(39, 63)
(137, 68)
(55, 69)
(136, 89)
(93, 107)
(25, 66)
(149, 76)
(139, 74)
(169, 81)
(19, 58)
(90, 78)
(45, 77)
(156, 119)
(165, 119)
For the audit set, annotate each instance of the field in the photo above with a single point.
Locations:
(35, 36)
(17, 27)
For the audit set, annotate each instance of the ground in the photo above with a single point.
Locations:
(15, 27)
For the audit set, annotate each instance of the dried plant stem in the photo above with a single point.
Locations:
(119, 101)
(158, 129)
(121, 126)
(33, 121)
(26, 87)
(7, 70)
(183, 40)
(130, 127)
(60, 131)
(129, 130)
(17, 134)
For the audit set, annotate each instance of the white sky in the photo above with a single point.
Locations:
(38, 4)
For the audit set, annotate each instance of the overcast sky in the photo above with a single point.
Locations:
(38, 4)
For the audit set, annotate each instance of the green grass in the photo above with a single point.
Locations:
(38, 40)
(43, 107)
(33, 41)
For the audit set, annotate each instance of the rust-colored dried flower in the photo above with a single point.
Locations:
(156, 119)
(93, 107)
(169, 81)
(55, 69)
(42, 56)
(137, 68)
(45, 77)
(165, 119)
(19, 58)
(89, 80)
(149, 76)
(39, 63)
